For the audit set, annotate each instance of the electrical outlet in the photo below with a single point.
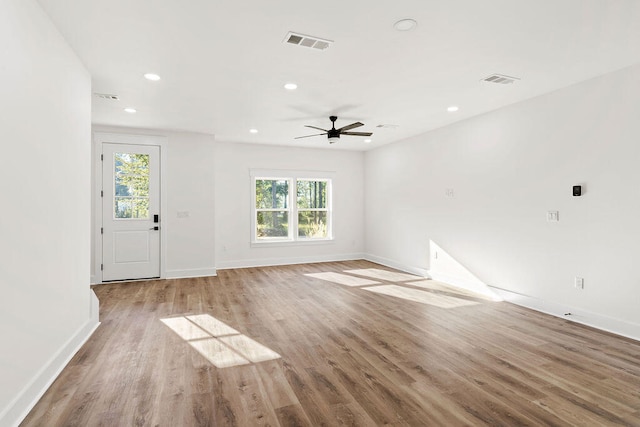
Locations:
(448, 192)
(578, 283)
(553, 216)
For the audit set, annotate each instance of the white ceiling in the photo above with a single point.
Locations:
(223, 63)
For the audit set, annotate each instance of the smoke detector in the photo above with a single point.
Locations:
(500, 79)
(307, 41)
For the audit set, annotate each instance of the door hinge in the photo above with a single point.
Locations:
(101, 267)
(101, 156)
(101, 230)
(101, 193)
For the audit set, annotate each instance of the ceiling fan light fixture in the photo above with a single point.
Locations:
(333, 139)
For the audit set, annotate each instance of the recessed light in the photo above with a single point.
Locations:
(405, 25)
(367, 141)
(130, 110)
(291, 86)
(452, 109)
(152, 77)
(253, 130)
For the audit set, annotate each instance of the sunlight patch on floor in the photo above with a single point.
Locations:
(185, 329)
(218, 342)
(390, 276)
(342, 279)
(250, 349)
(212, 325)
(439, 286)
(220, 355)
(416, 295)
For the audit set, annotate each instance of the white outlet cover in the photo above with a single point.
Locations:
(553, 216)
(448, 192)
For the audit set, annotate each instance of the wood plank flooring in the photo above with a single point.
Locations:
(420, 354)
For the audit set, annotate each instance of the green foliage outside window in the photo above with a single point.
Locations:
(273, 195)
(131, 185)
(312, 209)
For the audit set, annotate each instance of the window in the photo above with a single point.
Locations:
(131, 186)
(291, 208)
(312, 208)
(272, 208)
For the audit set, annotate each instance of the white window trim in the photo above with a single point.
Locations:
(292, 176)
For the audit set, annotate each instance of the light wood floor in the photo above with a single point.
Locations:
(351, 353)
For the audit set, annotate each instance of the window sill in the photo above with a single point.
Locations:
(283, 243)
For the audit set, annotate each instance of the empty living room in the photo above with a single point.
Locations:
(257, 213)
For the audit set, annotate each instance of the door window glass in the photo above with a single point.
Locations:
(131, 181)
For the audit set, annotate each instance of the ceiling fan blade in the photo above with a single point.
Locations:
(357, 133)
(308, 136)
(351, 126)
(313, 127)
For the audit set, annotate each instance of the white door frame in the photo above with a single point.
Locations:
(120, 138)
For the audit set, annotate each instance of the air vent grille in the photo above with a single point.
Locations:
(107, 96)
(500, 79)
(307, 41)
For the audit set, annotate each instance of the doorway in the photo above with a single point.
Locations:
(128, 209)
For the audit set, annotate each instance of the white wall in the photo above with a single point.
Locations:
(508, 168)
(189, 189)
(45, 114)
(233, 203)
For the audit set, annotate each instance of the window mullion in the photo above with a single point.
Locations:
(293, 203)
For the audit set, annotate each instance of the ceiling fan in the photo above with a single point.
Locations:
(333, 134)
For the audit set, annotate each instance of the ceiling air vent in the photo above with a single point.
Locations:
(307, 41)
(500, 79)
(107, 96)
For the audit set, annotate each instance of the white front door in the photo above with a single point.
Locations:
(130, 211)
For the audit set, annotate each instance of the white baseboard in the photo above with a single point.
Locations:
(19, 408)
(595, 320)
(267, 262)
(193, 272)
(397, 265)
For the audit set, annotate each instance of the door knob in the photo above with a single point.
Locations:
(155, 228)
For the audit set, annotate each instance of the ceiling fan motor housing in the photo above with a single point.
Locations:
(333, 135)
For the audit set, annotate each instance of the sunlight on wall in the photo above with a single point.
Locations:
(446, 269)
(218, 342)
